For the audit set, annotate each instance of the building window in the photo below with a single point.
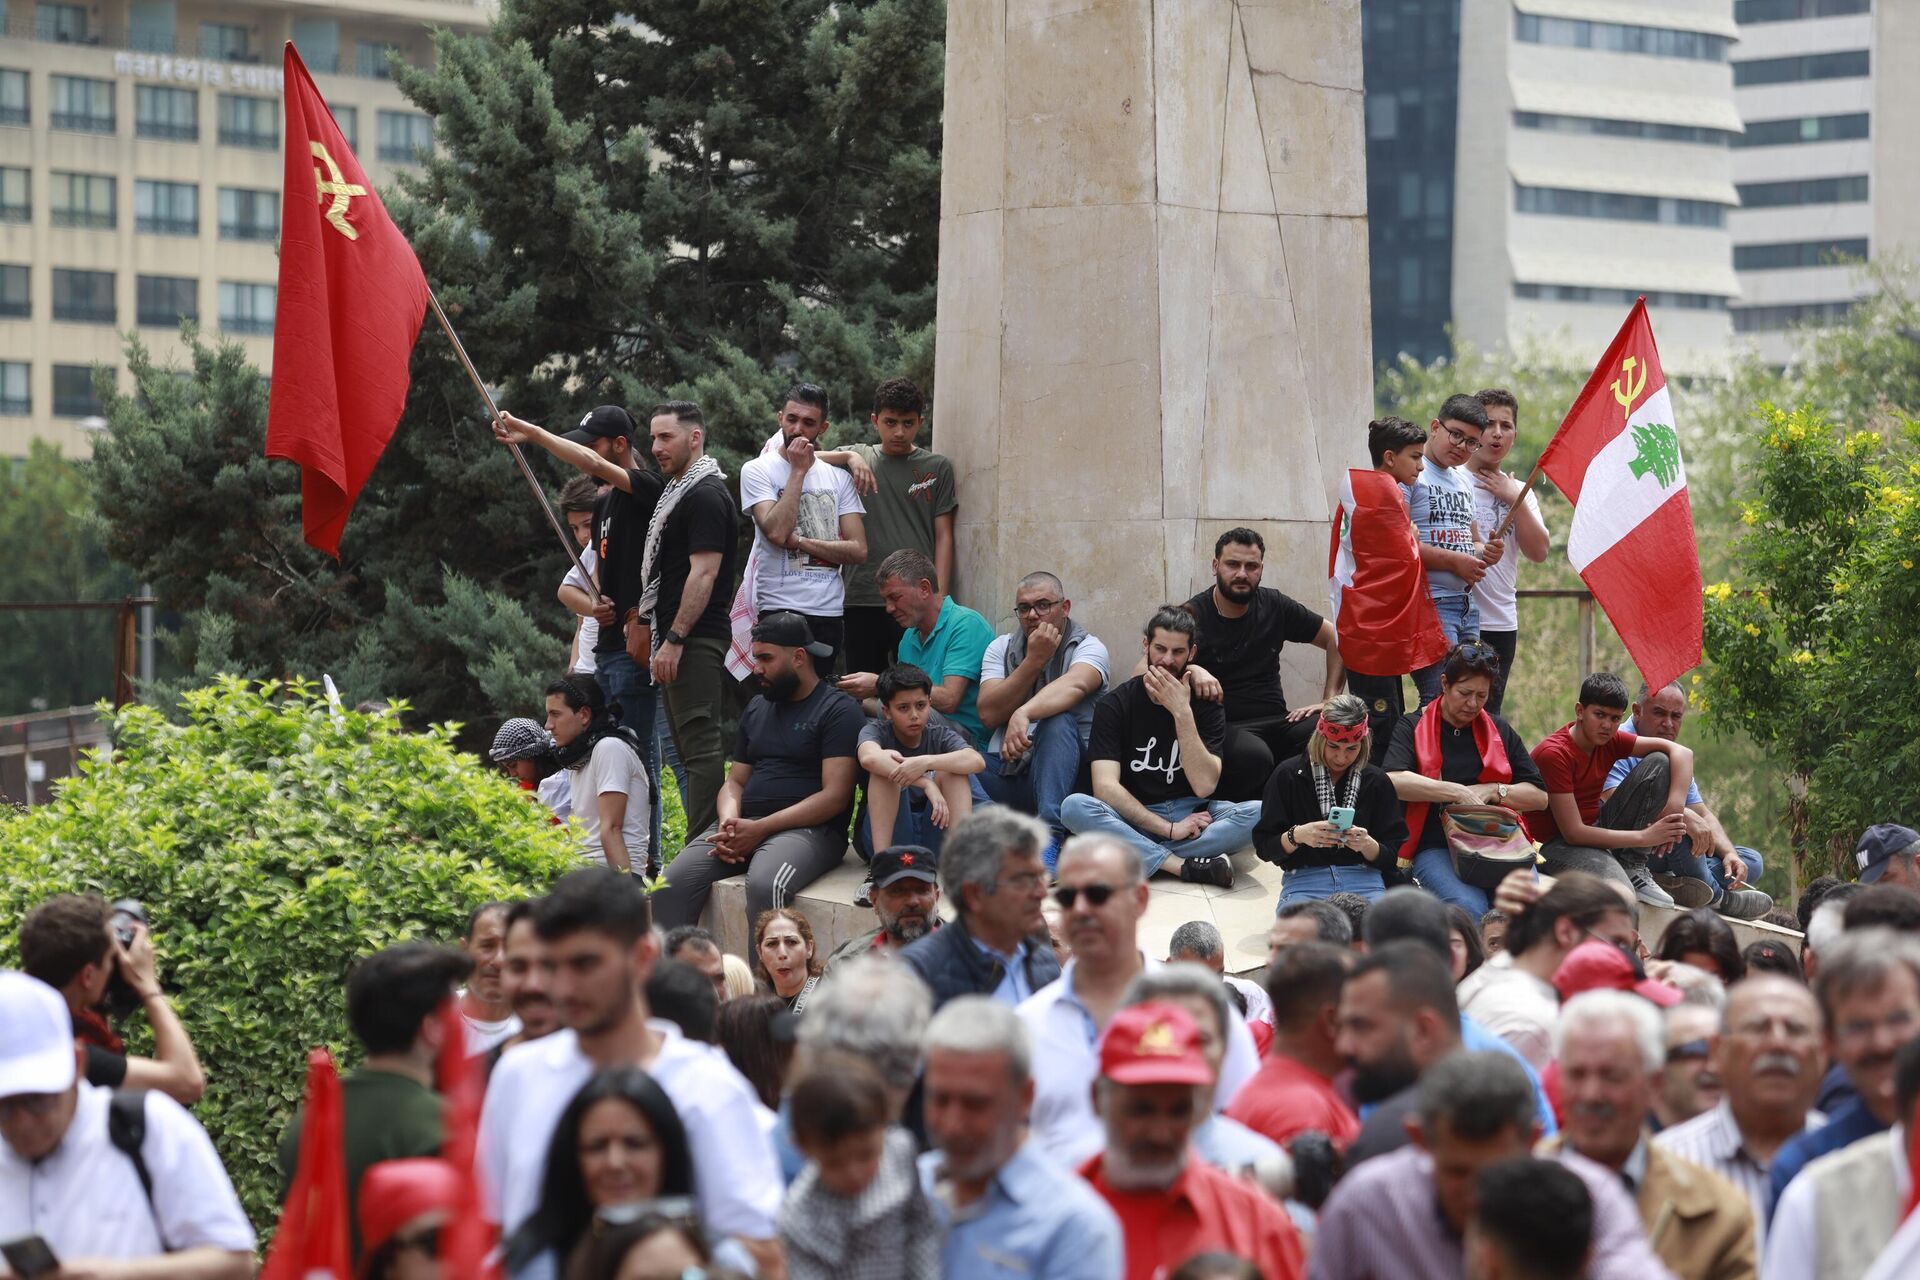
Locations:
(85, 296)
(249, 122)
(61, 23)
(1787, 315)
(249, 215)
(1803, 253)
(246, 308)
(1617, 206)
(151, 26)
(171, 115)
(1619, 297)
(1594, 127)
(16, 195)
(83, 200)
(370, 59)
(1748, 12)
(164, 301)
(1787, 133)
(225, 41)
(348, 118)
(1616, 37)
(73, 393)
(405, 136)
(16, 397)
(15, 302)
(81, 104)
(1810, 66)
(166, 208)
(14, 108)
(1775, 195)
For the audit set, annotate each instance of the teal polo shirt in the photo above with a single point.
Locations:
(959, 641)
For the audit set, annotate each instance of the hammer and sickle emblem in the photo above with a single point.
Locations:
(1634, 386)
(334, 184)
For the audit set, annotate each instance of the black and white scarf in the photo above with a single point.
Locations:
(676, 489)
(1323, 788)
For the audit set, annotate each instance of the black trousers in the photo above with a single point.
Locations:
(1504, 643)
(1386, 701)
(1253, 748)
(873, 637)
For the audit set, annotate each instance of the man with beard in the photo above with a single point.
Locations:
(1688, 1084)
(789, 795)
(523, 981)
(696, 948)
(1610, 1049)
(906, 899)
(1397, 1018)
(1155, 760)
(1008, 1208)
(806, 524)
(1154, 1089)
(483, 1003)
(1243, 628)
(1768, 1056)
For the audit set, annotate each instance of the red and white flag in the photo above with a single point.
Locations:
(1382, 611)
(1617, 458)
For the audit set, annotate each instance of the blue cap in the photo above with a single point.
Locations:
(1880, 845)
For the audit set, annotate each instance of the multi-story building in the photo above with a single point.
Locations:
(140, 174)
(1825, 168)
(1535, 165)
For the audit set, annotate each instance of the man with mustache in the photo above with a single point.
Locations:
(1610, 1048)
(483, 1001)
(523, 979)
(1769, 1056)
(906, 898)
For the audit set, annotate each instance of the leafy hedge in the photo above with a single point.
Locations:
(273, 846)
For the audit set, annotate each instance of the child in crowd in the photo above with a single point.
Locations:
(919, 767)
(856, 1212)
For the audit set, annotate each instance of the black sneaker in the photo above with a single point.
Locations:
(1217, 872)
(1744, 904)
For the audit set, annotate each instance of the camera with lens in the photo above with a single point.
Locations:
(121, 1000)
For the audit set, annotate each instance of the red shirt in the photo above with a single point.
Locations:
(1565, 767)
(1204, 1210)
(1285, 1099)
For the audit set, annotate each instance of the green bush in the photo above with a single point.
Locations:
(273, 846)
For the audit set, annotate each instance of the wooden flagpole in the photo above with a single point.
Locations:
(1518, 502)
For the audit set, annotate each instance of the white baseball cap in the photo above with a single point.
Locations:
(36, 1037)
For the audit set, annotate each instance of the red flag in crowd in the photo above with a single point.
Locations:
(466, 1239)
(1381, 609)
(1617, 458)
(351, 301)
(312, 1238)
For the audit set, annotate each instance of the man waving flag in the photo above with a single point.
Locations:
(351, 300)
(1617, 458)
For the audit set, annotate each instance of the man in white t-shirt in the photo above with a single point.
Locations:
(597, 930)
(610, 794)
(64, 1180)
(1038, 686)
(1494, 493)
(577, 501)
(483, 1003)
(806, 524)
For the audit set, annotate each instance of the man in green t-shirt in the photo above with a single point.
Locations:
(910, 509)
(389, 1108)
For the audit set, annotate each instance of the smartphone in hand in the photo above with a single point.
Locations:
(29, 1256)
(1341, 816)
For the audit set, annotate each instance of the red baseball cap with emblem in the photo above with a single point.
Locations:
(1153, 1044)
(905, 862)
(1600, 966)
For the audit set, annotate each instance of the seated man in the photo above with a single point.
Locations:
(1038, 688)
(1720, 879)
(1155, 755)
(1612, 840)
(789, 795)
(906, 903)
(939, 635)
(920, 769)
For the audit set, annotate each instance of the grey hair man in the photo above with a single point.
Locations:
(873, 1009)
(1006, 1204)
(1200, 942)
(1307, 920)
(992, 872)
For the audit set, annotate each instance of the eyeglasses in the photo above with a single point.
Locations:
(1460, 438)
(1038, 606)
(1024, 882)
(1097, 894)
(1691, 1050)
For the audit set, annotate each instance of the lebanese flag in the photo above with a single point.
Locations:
(1617, 458)
(1382, 612)
(311, 1242)
(350, 303)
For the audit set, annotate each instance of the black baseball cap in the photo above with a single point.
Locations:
(1881, 844)
(904, 862)
(605, 422)
(788, 630)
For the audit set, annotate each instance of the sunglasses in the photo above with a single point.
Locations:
(1691, 1050)
(1097, 894)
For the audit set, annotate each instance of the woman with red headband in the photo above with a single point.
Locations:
(1329, 819)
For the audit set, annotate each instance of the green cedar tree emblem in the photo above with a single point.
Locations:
(1659, 452)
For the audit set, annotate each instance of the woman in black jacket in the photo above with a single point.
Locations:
(1297, 830)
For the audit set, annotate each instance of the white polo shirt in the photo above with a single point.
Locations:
(1066, 1060)
(736, 1177)
(85, 1199)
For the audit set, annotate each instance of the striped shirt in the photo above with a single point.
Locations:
(1713, 1141)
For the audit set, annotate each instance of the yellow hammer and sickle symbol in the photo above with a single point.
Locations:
(334, 184)
(1634, 385)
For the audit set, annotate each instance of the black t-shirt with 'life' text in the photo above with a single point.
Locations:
(1130, 727)
(1243, 653)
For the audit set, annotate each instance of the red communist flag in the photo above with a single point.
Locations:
(312, 1238)
(351, 300)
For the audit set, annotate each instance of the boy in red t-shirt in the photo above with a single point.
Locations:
(1643, 815)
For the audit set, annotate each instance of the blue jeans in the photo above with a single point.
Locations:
(1681, 860)
(630, 689)
(1315, 883)
(912, 822)
(1048, 780)
(1460, 619)
(1232, 827)
(1433, 868)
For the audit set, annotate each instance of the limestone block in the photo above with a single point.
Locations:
(1190, 43)
(1339, 383)
(1308, 43)
(973, 155)
(1316, 143)
(967, 330)
(1246, 186)
(1078, 82)
(1186, 246)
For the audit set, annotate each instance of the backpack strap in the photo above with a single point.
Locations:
(127, 1130)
